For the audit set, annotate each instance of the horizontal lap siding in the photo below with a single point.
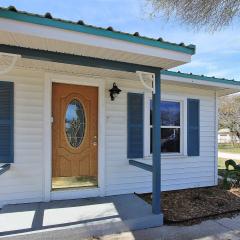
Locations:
(177, 173)
(120, 176)
(24, 181)
(189, 172)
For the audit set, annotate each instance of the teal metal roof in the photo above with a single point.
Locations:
(201, 77)
(47, 20)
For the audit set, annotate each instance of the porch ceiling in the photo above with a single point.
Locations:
(35, 36)
(61, 68)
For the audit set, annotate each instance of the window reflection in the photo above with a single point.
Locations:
(170, 127)
(170, 140)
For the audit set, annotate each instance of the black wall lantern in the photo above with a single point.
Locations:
(114, 91)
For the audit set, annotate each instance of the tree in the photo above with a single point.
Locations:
(211, 15)
(229, 114)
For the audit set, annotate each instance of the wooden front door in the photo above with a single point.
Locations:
(74, 132)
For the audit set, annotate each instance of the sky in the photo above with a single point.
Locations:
(217, 54)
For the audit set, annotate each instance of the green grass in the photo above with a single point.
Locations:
(221, 165)
(221, 162)
(229, 150)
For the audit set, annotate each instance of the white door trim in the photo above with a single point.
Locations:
(47, 146)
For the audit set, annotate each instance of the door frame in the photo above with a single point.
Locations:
(48, 195)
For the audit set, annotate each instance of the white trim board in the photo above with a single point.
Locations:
(222, 88)
(216, 138)
(183, 124)
(76, 193)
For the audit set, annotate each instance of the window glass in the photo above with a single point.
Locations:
(170, 113)
(170, 127)
(170, 140)
(75, 123)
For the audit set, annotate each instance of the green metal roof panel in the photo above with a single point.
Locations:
(200, 77)
(47, 20)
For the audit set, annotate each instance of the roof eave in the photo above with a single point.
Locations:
(232, 84)
(40, 20)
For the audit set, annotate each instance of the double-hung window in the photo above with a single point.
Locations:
(170, 127)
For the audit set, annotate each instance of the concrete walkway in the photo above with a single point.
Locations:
(234, 156)
(221, 229)
(109, 218)
(76, 219)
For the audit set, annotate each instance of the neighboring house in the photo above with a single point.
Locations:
(225, 136)
(66, 138)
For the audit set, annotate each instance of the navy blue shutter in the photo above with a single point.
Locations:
(193, 127)
(6, 122)
(135, 123)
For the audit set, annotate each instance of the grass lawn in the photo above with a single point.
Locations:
(228, 148)
(221, 165)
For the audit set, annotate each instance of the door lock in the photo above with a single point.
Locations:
(94, 141)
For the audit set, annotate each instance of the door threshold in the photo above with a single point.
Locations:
(74, 182)
(75, 193)
(73, 188)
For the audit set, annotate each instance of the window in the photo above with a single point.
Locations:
(75, 123)
(170, 128)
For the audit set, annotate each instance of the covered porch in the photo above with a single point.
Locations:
(99, 65)
(38, 48)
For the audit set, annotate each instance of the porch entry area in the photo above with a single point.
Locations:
(74, 136)
(77, 219)
(63, 144)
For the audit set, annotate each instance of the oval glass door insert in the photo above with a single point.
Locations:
(75, 123)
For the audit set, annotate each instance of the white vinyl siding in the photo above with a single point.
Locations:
(178, 172)
(24, 181)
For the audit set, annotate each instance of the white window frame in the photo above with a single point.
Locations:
(183, 125)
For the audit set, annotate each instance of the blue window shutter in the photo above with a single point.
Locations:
(135, 123)
(6, 122)
(193, 127)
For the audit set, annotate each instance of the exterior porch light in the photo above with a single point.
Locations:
(114, 91)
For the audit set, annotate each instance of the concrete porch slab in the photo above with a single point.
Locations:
(80, 218)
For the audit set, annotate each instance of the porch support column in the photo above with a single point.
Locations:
(156, 147)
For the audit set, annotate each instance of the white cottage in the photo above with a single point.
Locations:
(66, 129)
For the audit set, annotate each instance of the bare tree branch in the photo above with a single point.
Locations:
(229, 114)
(211, 15)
